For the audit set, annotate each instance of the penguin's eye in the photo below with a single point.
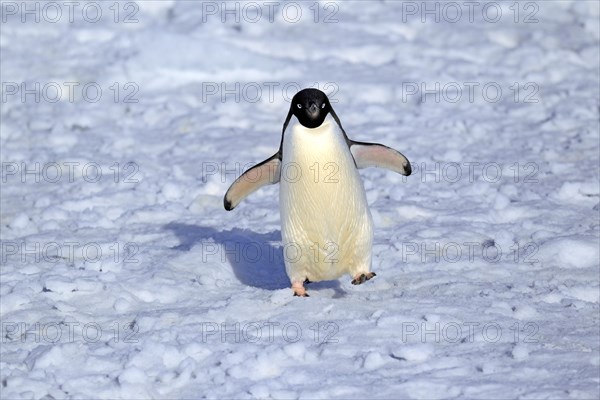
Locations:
(323, 106)
(299, 105)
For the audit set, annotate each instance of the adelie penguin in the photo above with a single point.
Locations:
(326, 225)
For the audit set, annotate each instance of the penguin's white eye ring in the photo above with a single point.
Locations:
(323, 106)
(299, 105)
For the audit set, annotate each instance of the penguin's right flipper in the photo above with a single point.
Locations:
(265, 173)
(378, 155)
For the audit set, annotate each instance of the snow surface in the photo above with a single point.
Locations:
(137, 284)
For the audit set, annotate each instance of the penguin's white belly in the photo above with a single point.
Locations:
(326, 224)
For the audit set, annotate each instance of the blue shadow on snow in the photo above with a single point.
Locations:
(256, 258)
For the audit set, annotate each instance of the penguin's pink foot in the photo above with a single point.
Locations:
(362, 278)
(299, 290)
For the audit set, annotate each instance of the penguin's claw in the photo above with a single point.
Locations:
(362, 278)
(299, 290)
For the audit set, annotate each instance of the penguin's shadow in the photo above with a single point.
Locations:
(256, 259)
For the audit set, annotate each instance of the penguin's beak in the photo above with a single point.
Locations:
(313, 110)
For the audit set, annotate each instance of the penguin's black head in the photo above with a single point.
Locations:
(310, 106)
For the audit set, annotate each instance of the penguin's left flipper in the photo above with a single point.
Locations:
(265, 173)
(377, 155)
